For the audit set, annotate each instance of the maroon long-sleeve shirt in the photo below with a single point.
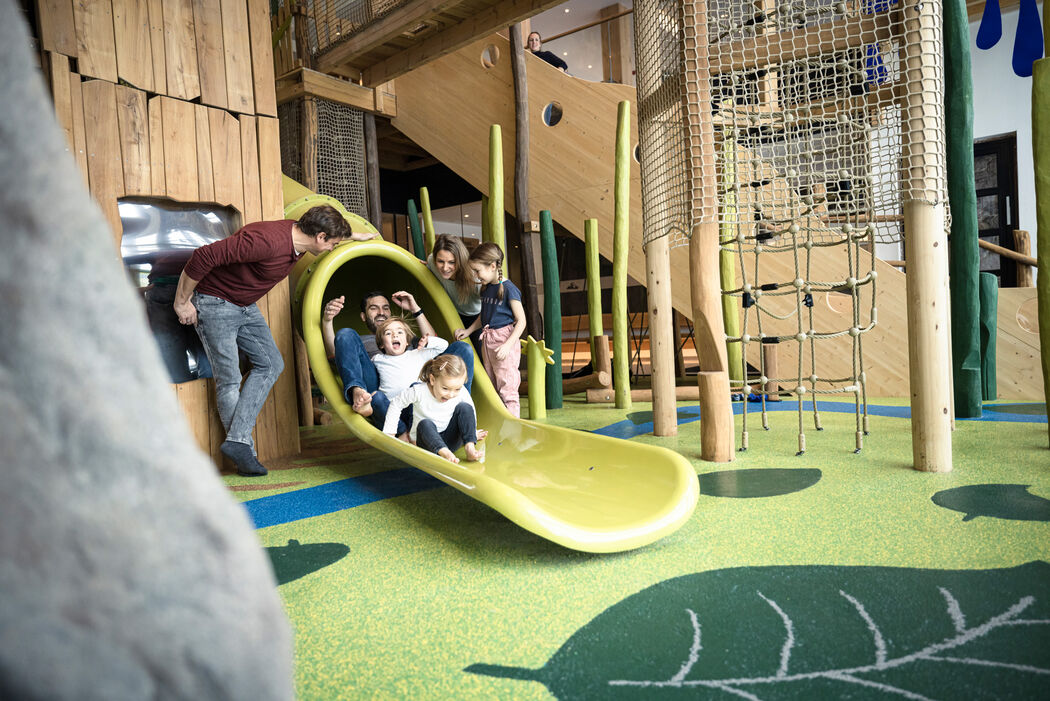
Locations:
(245, 266)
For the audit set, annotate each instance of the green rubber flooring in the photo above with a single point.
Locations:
(826, 575)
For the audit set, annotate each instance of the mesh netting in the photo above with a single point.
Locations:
(340, 150)
(330, 22)
(795, 126)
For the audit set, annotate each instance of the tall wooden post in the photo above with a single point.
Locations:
(927, 246)
(533, 323)
(375, 208)
(1041, 157)
(716, 412)
(661, 335)
(621, 247)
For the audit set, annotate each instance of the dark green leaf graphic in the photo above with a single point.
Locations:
(1035, 409)
(292, 561)
(1008, 501)
(746, 484)
(813, 632)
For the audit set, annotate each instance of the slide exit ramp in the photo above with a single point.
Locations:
(577, 489)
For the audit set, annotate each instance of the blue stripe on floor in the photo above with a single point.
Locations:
(336, 496)
(687, 414)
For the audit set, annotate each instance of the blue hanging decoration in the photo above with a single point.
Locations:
(1028, 45)
(991, 29)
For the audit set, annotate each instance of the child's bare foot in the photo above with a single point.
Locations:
(362, 402)
(448, 455)
(473, 454)
(482, 433)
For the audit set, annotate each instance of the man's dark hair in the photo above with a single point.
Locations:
(370, 295)
(324, 219)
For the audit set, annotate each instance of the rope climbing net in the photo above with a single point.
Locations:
(337, 148)
(801, 127)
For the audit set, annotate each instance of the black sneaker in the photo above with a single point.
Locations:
(241, 455)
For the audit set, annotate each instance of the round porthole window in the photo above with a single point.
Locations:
(552, 114)
(490, 56)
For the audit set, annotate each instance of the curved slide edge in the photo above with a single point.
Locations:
(577, 489)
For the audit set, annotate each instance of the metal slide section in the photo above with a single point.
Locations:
(577, 489)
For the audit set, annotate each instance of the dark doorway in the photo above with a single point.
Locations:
(995, 175)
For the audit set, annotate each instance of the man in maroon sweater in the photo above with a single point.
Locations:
(217, 292)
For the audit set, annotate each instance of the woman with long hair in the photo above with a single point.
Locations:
(448, 262)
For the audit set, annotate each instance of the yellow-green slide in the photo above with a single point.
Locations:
(580, 490)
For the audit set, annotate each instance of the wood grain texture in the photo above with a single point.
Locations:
(193, 399)
(262, 59)
(207, 24)
(156, 34)
(180, 149)
(58, 77)
(238, 54)
(270, 182)
(57, 26)
(96, 47)
(180, 50)
(226, 160)
(286, 430)
(133, 43)
(250, 168)
(105, 169)
(76, 103)
(156, 147)
(205, 171)
(133, 123)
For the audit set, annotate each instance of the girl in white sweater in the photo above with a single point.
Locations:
(443, 415)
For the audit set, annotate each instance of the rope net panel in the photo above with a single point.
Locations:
(339, 147)
(798, 126)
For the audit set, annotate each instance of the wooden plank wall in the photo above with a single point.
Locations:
(176, 99)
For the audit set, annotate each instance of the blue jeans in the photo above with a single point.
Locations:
(179, 345)
(226, 330)
(356, 370)
(462, 428)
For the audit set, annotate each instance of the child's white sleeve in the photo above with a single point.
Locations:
(397, 405)
(438, 344)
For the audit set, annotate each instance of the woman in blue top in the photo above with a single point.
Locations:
(448, 262)
(502, 321)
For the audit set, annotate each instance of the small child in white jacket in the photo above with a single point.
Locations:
(443, 416)
(398, 366)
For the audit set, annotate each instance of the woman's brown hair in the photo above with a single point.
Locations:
(463, 278)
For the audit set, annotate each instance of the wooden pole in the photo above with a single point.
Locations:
(601, 361)
(1023, 245)
(375, 207)
(308, 143)
(927, 246)
(716, 431)
(770, 369)
(621, 247)
(302, 381)
(533, 323)
(594, 284)
(1041, 159)
(428, 221)
(661, 335)
(497, 228)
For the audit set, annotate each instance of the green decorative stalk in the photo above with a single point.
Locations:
(536, 355)
(417, 232)
(989, 328)
(497, 230)
(428, 219)
(594, 282)
(551, 307)
(621, 245)
(726, 264)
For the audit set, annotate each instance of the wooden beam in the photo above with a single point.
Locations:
(303, 82)
(375, 207)
(455, 37)
(795, 44)
(382, 31)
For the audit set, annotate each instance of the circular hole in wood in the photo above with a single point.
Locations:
(1028, 315)
(490, 56)
(552, 113)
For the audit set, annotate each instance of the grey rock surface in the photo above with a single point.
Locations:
(126, 569)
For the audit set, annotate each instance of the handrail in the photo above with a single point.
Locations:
(589, 25)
